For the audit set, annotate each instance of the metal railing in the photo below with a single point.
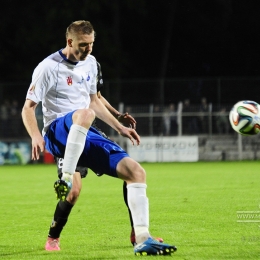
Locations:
(152, 120)
(211, 126)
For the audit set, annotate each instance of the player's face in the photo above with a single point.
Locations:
(81, 46)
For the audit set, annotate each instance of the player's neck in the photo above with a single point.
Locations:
(68, 55)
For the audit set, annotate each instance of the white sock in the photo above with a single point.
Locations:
(139, 206)
(74, 148)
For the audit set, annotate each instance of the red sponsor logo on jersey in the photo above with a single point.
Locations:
(69, 80)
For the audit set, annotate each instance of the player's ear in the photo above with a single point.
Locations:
(70, 42)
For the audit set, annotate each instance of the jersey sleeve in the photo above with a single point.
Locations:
(39, 85)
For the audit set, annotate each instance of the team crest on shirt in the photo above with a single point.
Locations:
(69, 80)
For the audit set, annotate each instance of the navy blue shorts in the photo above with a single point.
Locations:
(101, 155)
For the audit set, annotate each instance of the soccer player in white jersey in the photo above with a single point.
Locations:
(60, 217)
(65, 83)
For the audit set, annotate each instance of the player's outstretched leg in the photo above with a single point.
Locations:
(139, 206)
(132, 233)
(153, 247)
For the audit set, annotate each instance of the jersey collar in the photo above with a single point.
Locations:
(65, 58)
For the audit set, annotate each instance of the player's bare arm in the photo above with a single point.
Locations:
(30, 122)
(103, 114)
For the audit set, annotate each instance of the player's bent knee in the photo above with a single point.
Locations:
(131, 171)
(83, 117)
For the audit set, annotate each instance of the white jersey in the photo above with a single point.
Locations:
(62, 86)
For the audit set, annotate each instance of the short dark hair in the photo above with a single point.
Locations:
(79, 27)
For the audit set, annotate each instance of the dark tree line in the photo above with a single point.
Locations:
(136, 38)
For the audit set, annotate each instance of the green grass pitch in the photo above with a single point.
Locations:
(209, 210)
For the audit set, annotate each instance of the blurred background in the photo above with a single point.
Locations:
(178, 65)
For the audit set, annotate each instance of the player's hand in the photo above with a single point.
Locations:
(38, 145)
(127, 120)
(131, 134)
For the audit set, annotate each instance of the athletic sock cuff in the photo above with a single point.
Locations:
(137, 185)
